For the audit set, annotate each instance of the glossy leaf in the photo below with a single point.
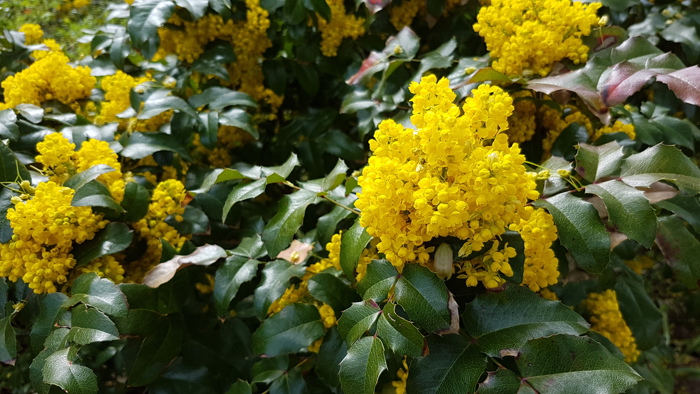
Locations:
(235, 271)
(243, 191)
(95, 194)
(661, 162)
(630, 212)
(11, 170)
(399, 334)
(60, 371)
(381, 275)
(424, 297)
(681, 249)
(79, 180)
(8, 342)
(454, 365)
(501, 381)
(279, 232)
(360, 369)
(114, 238)
(100, 293)
(595, 162)
(639, 311)
(154, 353)
(508, 319)
(89, 325)
(331, 290)
(332, 352)
(145, 19)
(580, 230)
(357, 320)
(276, 276)
(140, 145)
(572, 365)
(352, 244)
(50, 307)
(135, 202)
(218, 97)
(293, 328)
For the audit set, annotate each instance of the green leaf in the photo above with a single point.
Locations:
(424, 297)
(229, 278)
(5, 203)
(276, 276)
(580, 230)
(135, 202)
(145, 19)
(209, 128)
(11, 170)
(332, 352)
(489, 74)
(90, 325)
(8, 128)
(502, 381)
(357, 320)
(98, 292)
(140, 145)
(328, 223)
(279, 232)
(213, 61)
(452, 366)
(243, 191)
(639, 311)
(290, 383)
(114, 238)
(95, 194)
(352, 244)
(321, 7)
(237, 117)
(30, 112)
(307, 77)
(269, 369)
(595, 162)
(49, 311)
(217, 97)
(508, 319)
(361, 367)
(155, 353)
(196, 8)
(661, 162)
(330, 182)
(82, 178)
(630, 212)
(331, 290)
(378, 280)
(8, 350)
(240, 387)
(572, 365)
(60, 371)
(685, 206)
(156, 104)
(399, 334)
(681, 249)
(293, 328)
(279, 174)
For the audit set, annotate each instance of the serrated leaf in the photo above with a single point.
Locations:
(95, 194)
(71, 377)
(681, 249)
(352, 244)
(357, 320)
(454, 365)
(100, 293)
(140, 145)
(331, 290)
(243, 191)
(508, 319)
(114, 238)
(295, 327)
(580, 230)
(89, 325)
(330, 181)
(595, 162)
(399, 334)
(276, 276)
(8, 342)
(361, 367)
(279, 232)
(424, 297)
(661, 162)
(629, 211)
(378, 280)
(229, 278)
(49, 310)
(685, 206)
(572, 365)
(157, 104)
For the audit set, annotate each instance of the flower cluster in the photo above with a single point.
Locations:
(402, 376)
(105, 266)
(528, 37)
(228, 139)
(49, 78)
(454, 176)
(167, 200)
(402, 14)
(522, 124)
(116, 95)
(45, 227)
(340, 26)
(32, 33)
(538, 232)
(606, 319)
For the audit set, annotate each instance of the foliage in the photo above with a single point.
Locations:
(334, 196)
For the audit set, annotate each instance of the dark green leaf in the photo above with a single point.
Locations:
(328, 223)
(243, 191)
(639, 311)
(82, 178)
(229, 278)
(140, 145)
(114, 238)
(293, 328)
(572, 365)
(630, 212)
(213, 61)
(361, 367)
(279, 232)
(502, 381)
(508, 319)
(5, 203)
(489, 74)
(595, 162)
(424, 297)
(399, 334)
(661, 162)
(11, 170)
(95, 194)
(237, 117)
(209, 128)
(154, 354)
(276, 276)
(331, 290)
(378, 280)
(269, 369)
(49, 310)
(135, 202)
(683, 205)
(145, 19)
(90, 325)
(159, 103)
(332, 352)
(196, 8)
(100, 293)
(352, 244)
(357, 320)
(330, 182)
(290, 383)
(452, 366)
(240, 387)
(218, 97)
(681, 249)
(8, 350)
(60, 371)
(8, 128)
(30, 112)
(580, 230)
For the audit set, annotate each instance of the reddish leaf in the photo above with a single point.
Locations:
(684, 83)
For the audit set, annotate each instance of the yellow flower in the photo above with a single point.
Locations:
(606, 319)
(106, 267)
(538, 232)
(402, 376)
(32, 33)
(340, 26)
(528, 37)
